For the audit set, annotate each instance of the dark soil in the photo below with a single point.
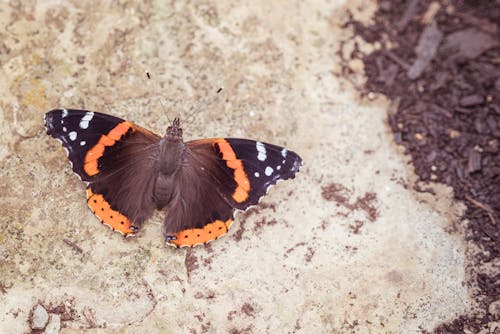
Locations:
(443, 71)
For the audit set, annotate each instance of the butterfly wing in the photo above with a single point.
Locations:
(218, 176)
(115, 158)
(262, 165)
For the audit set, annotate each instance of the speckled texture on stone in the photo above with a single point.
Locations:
(346, 247)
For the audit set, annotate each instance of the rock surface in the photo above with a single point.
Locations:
(348, 246)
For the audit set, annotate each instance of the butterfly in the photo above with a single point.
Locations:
(130, 172)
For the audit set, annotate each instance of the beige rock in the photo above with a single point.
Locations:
(346, 246)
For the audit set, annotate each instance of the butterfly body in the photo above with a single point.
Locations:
(131, 171)
(170, 159)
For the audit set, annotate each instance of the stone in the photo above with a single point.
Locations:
(54, 325)
(40, 317)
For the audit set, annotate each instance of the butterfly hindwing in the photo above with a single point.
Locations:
(218, 176)
(115, 158)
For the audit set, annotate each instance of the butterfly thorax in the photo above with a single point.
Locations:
(171, 149)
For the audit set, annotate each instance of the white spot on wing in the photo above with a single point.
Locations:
(284, 152)
(261, 149)
(64, 113)
(84, 122)
(72, 135)
(64, 129)
(278, 167)
(269, 171)
(83, 142)
(256, 174)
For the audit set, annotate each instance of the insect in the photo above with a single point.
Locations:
(130, 172)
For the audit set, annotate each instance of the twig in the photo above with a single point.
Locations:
(396, 59)
(73, 245)
(485, 207)
(419, 189)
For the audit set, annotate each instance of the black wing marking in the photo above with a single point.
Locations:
(79, 131)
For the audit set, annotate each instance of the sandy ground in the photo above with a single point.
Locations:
(346, 247)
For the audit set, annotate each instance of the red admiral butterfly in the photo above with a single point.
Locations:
(130, 171)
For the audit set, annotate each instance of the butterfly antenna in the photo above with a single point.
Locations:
(157, 88)
(204, 103)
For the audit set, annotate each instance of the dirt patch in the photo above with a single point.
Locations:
(242, 221)
(248, 310)
(355, 227)
(439, 61)
(66, 309)
(309, 254)
(336, 192)
(191, 262)
(238, 235)
(291, 249)
(246, 330)
(259, 225)
(231, 315)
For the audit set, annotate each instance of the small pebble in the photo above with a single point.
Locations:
(454, 134)
(471, 100)
(54, 326)
(40, 317)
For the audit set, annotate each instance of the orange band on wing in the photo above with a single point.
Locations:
(241, 192)
(90, 164)
(197, 236)
(101, 208)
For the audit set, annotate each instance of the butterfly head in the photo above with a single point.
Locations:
(174, 132)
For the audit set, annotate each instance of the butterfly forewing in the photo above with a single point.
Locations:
(263, 164)
(116, 158)
(79, 131)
